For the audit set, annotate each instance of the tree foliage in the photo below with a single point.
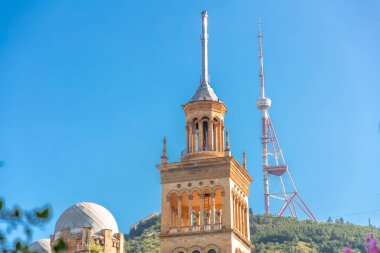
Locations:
(144, 237)
(17, 219)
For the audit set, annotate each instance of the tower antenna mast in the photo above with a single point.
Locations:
(274, 164)
(204, 38)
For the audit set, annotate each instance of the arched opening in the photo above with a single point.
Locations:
(196, 251)
(195, 135)
(211, 251)
(195, 219)
(207, 207)
(205, 135)
(184, 209)
(173, 210)
(218, 206)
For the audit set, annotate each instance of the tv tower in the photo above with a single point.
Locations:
(274, 164)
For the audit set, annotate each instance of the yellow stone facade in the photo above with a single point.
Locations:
(205, 195)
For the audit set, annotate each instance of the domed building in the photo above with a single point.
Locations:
(85, 227)
(40, 246)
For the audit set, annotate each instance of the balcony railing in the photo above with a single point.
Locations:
(196, 228)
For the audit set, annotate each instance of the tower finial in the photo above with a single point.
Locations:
(204, 38)
(260, 36)
(227, 141)
(164, 157)
(244, 160)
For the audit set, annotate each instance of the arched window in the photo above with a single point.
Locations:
(205, 135)
(196, 251)
(211, 251)
(196, 136)
(173, 210)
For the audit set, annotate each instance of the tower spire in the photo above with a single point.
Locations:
(260, 36)
(244, 160)
(204, 91)
(164, 156)
(274, 164)
(204, 38)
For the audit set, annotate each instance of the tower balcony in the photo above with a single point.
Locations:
(202, 154)
(196, 228)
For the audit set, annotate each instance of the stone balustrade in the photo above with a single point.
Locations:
(196, 228)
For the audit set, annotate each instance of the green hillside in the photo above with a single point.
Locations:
(272, 235)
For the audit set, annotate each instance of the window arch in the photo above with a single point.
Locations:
(205, 135)
(173, 199)
(195, 135)
(195, 249)
(211, 249)
(180, 250)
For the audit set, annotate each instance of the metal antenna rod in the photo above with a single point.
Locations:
(264, 104)
(274, 164)
(204, 38)
(260, 36)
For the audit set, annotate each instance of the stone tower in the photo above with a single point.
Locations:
(205, 195)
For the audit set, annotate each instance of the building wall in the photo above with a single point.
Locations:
(202, 242)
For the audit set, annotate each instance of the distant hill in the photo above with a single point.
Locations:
(270, 235)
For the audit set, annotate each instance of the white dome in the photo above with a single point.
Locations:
(40, 246)
(86, 214)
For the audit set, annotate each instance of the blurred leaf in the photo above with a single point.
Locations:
(44, 214)
(61, 245)
(16, 212)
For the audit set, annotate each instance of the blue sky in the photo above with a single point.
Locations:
(88, 89)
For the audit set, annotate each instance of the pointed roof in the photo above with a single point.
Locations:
(204, 92)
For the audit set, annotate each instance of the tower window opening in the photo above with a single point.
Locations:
(211, 251)
(196, 136)
(205, 135)
(207, 209)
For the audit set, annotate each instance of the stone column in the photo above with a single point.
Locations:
(187, 138)
(245, 222)
(107, 233)
(179, 225)
(193, 143)
(216, 137)
(241, 218)
(222, 216)
(222, 137)
(239, 215)
(234, 212)
(120, 236)
(201, 221)
(200, 136)
(210, 135)
(190, 210)
(213, 208)
(86, 237)
(247, 217)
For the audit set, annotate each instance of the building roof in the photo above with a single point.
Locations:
(204, 92)
(86, 214)
(40, 246)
